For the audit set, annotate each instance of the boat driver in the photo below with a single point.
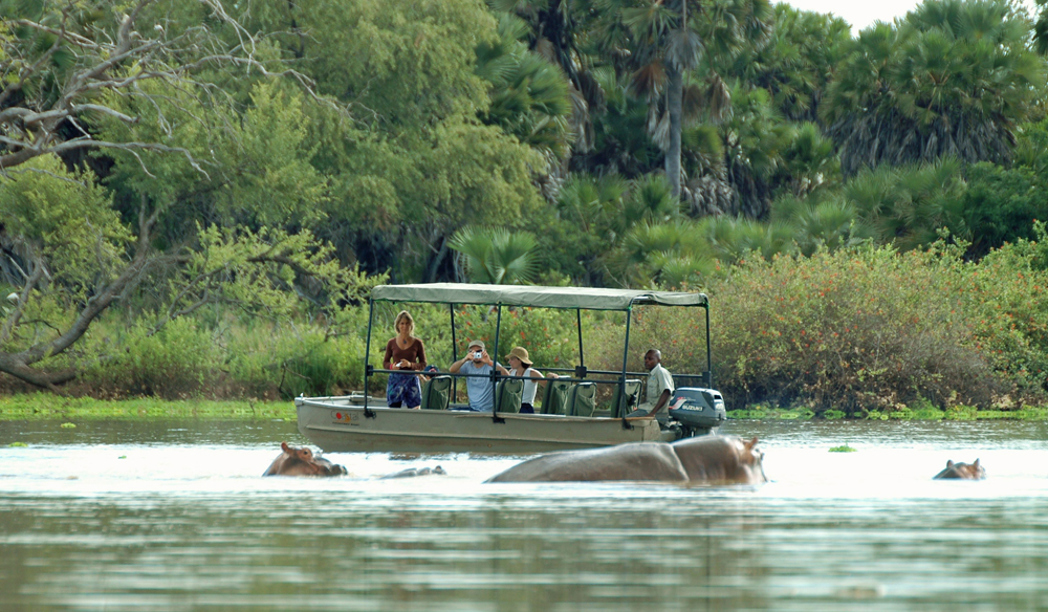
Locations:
(478, 388)
(658, 390)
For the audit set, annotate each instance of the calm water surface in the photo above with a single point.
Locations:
(175, 516)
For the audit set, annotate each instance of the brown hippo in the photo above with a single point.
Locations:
(965, 471)
(703, 459)
(301, 462)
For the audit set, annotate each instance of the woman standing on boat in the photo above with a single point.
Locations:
(404, 352)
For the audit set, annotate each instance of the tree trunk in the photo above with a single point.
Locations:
(674, 104)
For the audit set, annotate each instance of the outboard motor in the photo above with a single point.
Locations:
(698, 410)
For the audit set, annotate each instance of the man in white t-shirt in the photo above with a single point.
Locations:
(657, 391)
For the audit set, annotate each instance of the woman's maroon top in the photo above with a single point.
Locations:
(415, 354)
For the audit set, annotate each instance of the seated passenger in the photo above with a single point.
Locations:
(520, 365)
(658, 390)
(478, 386)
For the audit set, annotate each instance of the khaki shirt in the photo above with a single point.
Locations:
(659, 380)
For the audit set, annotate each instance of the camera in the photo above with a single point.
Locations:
(478, 355)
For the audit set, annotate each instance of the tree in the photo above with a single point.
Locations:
(529, 95)
(146, 94)
(664, 41)
(432, 144)
(800, 58)
(953, 78)
(906, 206)
(74, 259)
(65, 64)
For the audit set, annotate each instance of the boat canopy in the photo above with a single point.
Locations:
(586, 298)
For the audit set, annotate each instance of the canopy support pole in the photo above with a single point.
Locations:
(368, 413)
(454, 353)
(708, 375)
(622, 381)
(495, 418)
(578, 322)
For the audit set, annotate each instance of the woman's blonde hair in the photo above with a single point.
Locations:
(402, 316)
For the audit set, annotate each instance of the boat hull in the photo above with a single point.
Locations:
(339, 424)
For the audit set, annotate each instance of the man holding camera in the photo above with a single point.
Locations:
(478, 387)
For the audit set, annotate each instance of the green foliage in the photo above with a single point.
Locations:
(844, 448)
(829, 224)
(668, 254)
(400, 62)
(1007, 297)
(999, 204)
(951, 78)
(529, 95)
(907, 205)
(496, 256)
(65, 219)
(856, 329)
(304, 361)
(549, 335)
(175, 362)
(798, 61)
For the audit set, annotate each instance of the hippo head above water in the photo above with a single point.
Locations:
(295, 461)
(699, 460)
(964, 471)
(721, 459)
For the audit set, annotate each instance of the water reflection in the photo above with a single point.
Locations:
(177, 517)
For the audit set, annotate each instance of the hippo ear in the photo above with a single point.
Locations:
(752, 443)
(949, 463)
(285, 447)
(976, 464)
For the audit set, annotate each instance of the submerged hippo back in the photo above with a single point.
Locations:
(640, 461)
(720, 459)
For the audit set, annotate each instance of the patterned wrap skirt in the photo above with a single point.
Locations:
(403, 390)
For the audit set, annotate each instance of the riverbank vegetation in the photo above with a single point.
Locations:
(195, 199)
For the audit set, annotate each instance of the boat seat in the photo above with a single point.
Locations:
(508, 395)
(556, 396)
(581, 399)
(621, 405)
(436, 392)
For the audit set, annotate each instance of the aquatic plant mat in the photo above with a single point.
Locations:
(961, 413)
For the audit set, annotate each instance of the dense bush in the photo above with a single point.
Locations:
(858, 329)
(867, 329)
(179, 360)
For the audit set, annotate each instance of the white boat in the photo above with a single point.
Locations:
(568, 418)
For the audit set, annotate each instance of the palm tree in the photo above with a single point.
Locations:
(496, 256)
(797, 63)
(733, 238)
(662, 41)
(663, 253)
(908, 205)
(821, 225)
(553, 33)
(529, 95)
(953, 78)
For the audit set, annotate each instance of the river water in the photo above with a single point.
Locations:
(175, 516)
